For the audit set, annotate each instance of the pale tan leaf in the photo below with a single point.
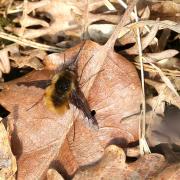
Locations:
(52, 174)
(163, 54)
(8, 165)
(166, 80)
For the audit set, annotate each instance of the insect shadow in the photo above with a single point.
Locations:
(64, 88)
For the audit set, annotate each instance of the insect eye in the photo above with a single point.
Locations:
(62, 85)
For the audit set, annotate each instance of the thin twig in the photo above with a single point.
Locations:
(142, 122)
(164, 78)
(167, 72)
(109, 5)
(26, 42)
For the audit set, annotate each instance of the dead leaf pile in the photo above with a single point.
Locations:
(34, 126)
(113, 166)
(52, 146)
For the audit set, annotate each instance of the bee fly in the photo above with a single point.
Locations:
(64, 89)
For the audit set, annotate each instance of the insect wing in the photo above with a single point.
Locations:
(43, 84)
(78, 99)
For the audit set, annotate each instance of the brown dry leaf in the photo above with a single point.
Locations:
(38, 135)
(101, 32)
(115, 94)
(8, 165)
(4, 3)
(53, 175)
(30, 58)
(171, 63)
(70, 20)
(145, 41)
(176, 82)
(165, 95)
(166, 10)
(4, 57)
(171, 172)
(61, 20)
(166, 54)
(113, 166)
(67, 160)
(74, 16)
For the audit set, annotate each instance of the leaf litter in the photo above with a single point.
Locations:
(8, 164)
(41, 139)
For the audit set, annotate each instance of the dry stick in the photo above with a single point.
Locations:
(85, 21)
(144, 148)
(166, 24)
(149, 68)
(109, 5)
(24, 16)
(165, 79)
(25, 42)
